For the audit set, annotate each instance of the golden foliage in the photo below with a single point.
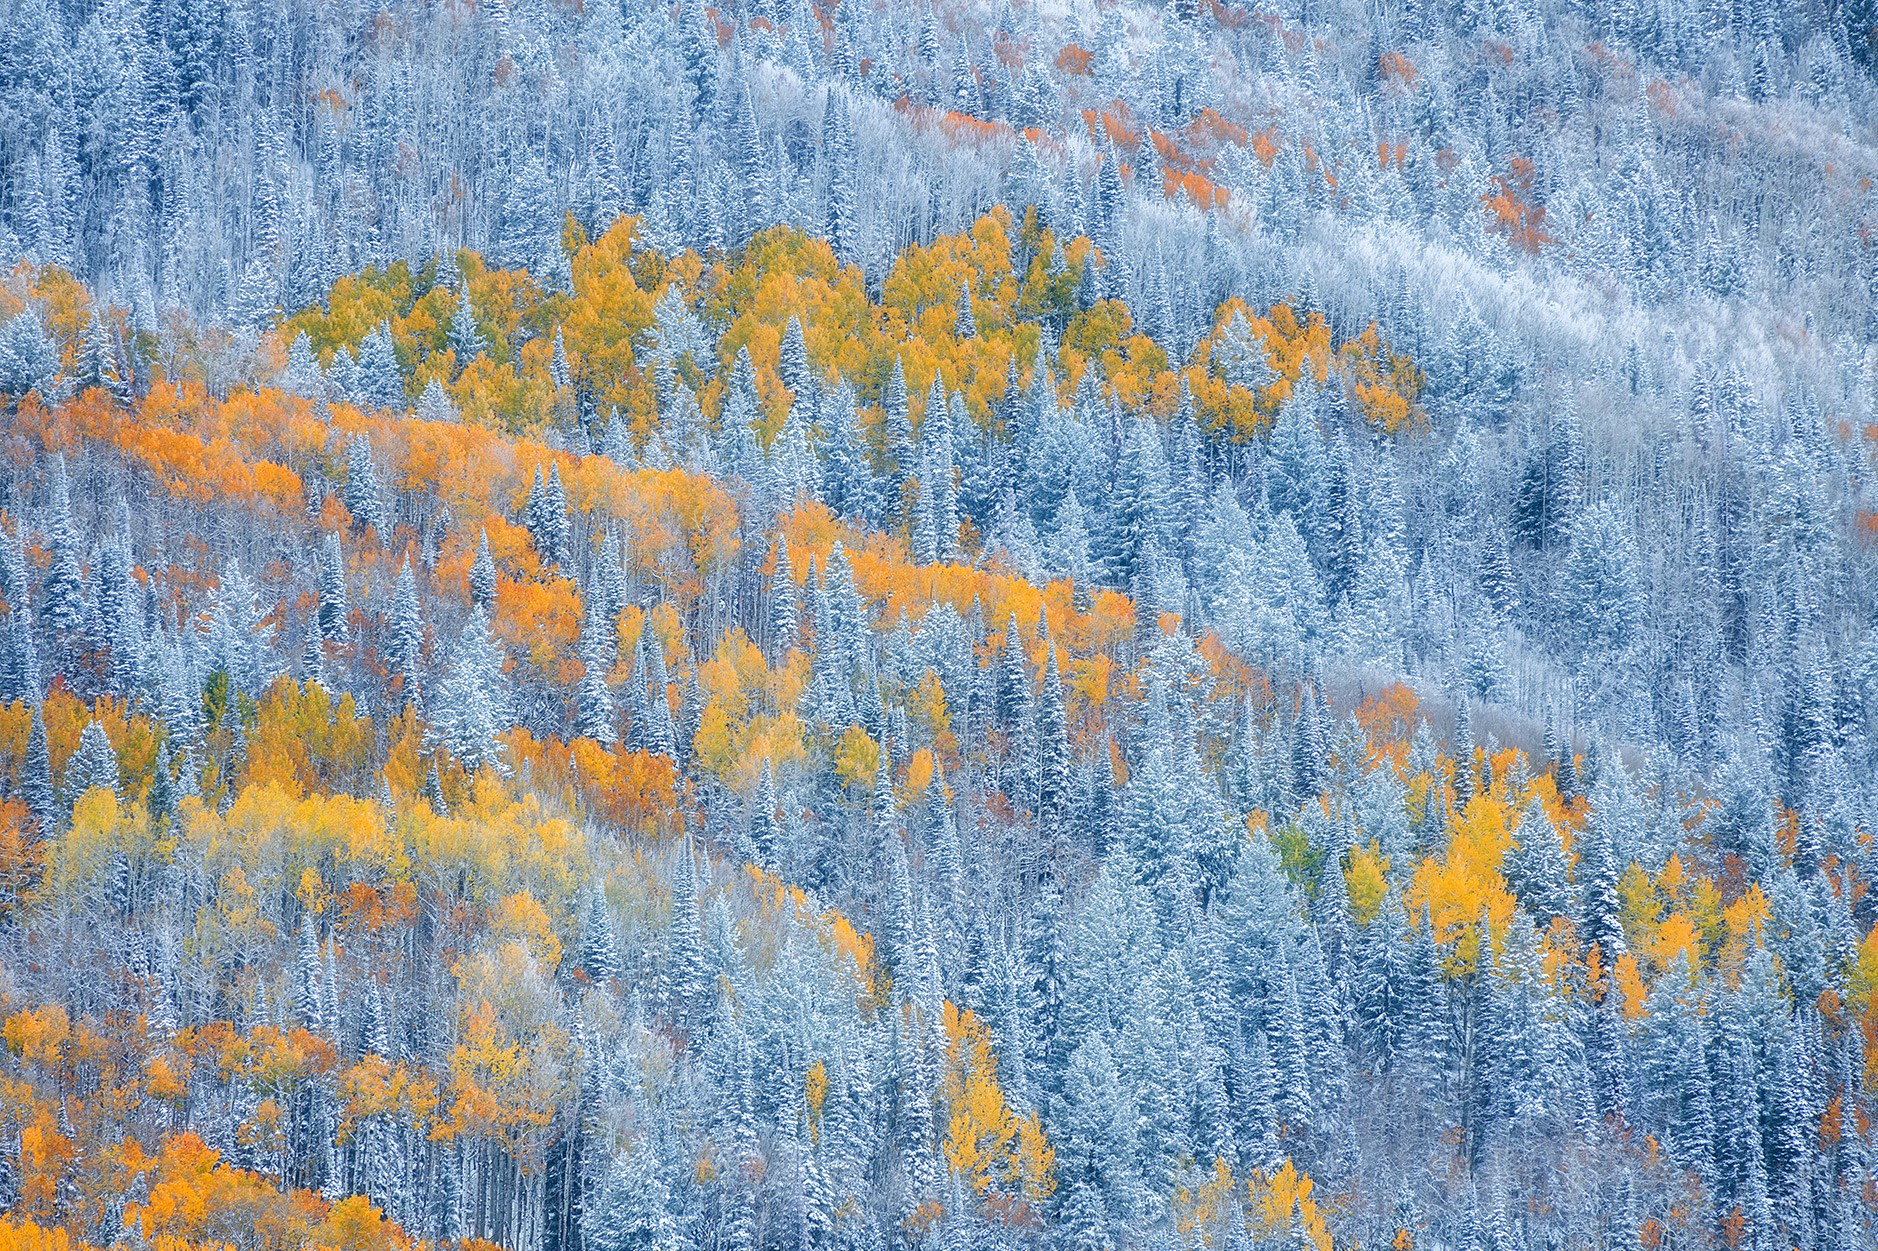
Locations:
(986, 1145)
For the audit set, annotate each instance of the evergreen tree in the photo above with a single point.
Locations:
(361, 492)
(1138, 507)
(1160, 840)
(633, 1209)
(93, 766)
(1053, 749)
(1307, 749)
(1105, 824)
(964, 323)
(377, 382)
(1599, 919)
(793, 364)
(61, 588)
(1463, 756)
(482, 578)
(782, 600)
(465, 337)
(594, 707)
(599, 949)
(547, 517)
(1096, 1182)
(897, 434)
(1549, 486)
(36, 776)
(1537, 870)
(306, 982)
(334, 611)
(469, 707)
(1295, 469)
(764, 831)
(406, 648)
(97, 359)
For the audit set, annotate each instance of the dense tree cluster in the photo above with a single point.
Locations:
(977, 626)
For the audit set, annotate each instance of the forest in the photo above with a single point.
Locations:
(971, 625)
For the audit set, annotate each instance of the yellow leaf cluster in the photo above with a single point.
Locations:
(1282, 1202)
(1465, 887)
(986, 1145)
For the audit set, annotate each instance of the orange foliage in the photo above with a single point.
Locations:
(195, 1201)
(1511, 211)
(1210, 130)
(1116, 122)
(1074, 60)
(303, 741)
(1388, 717)
(1288, 344)
(1398, 72)
(1204, 194)
(1265, 145)
(633, 791)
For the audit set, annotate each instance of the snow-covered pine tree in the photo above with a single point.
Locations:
(468, 709)
(362, 492)
(595, 713)
(405, 649)
(482, 577)
(335, 611)
(93, 766)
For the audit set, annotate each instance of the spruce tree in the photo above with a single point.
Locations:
(469, 707)
(61, 588)
(405, 650)
(378, 382)
(306, 982)
(1096, 1156)
(684, 962)
(93, 766)
(897, 432)
(782, 600)
(1463, 757)
(1053, 750)
(595, 712)
(765, 830)
(361, 494)
(1307, 749)
(482, 578)
(334, 611)
(599, 949)
(465, 337)
(633, 1206)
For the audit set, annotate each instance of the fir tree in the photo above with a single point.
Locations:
(1053, 749)
(36, 776)
(599, 949)
(897, 431)
(633, 1209)
(764, 827)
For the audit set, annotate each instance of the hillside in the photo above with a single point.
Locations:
(879, 627)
